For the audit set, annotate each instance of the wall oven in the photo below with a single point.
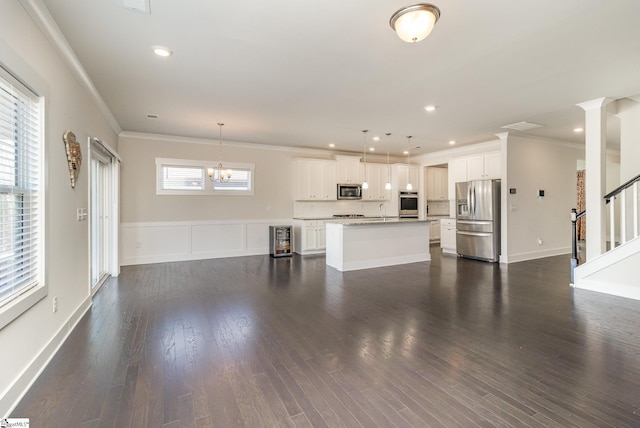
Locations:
(349, 191)
(408, 204)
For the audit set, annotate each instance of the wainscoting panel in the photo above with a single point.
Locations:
(158, 242)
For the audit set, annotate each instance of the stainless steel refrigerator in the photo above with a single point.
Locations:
(478, 219)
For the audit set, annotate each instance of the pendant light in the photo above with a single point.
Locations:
(415, 23)
(365, 185)
(388, 185)
(223, 175)
(409, 185)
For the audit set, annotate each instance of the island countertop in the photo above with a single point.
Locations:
(365, 221)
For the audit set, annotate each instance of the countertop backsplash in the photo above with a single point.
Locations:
(438, 208)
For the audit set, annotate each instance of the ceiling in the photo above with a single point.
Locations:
(306, 74)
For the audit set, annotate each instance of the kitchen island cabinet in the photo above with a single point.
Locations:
(369, 243)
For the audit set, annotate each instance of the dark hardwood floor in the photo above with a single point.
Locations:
(262, 342)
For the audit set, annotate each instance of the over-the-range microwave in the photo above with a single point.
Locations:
(349, 191)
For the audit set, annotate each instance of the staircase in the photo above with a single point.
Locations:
(616, 271)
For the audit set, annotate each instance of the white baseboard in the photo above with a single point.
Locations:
(12, 395)
(532, 255)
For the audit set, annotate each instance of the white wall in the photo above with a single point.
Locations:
(534, 165)
(29, 341)
(629, 114)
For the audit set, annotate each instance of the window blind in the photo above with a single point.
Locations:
(20, 193)
(182, 178)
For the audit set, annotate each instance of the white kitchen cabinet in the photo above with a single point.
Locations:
(437, 184)
(314, 180)
(434, 231)
(406, 174)
(484, 167)
(448, 235)
(309, 236)
(349, 170)
(377, 176)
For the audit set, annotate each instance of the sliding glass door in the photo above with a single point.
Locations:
(103, 214)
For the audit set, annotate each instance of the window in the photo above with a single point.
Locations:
(21, 201)
(190, 177)
(182, 178)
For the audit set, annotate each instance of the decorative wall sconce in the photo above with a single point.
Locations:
(74, 156)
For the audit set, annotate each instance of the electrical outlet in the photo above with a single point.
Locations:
(55, 304)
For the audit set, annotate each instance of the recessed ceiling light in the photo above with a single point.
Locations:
(430, 108)
(577, 130)
(451, 143)
(152, 116)
(372, 149)
(332, 145)
(376, 138)
(161, 50)
(406, 152)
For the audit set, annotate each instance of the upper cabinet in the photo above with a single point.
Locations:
(349, 170)
(484, 167)
(314, 180)
(406, 174)
(437, 184)
(377, 176)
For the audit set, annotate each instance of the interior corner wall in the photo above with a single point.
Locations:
(29, 341)
(532, 166)
(629, 114)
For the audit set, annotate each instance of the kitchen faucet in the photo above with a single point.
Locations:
(383, 211)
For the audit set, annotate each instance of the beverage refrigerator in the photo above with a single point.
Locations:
(478, 219)
(280, 241)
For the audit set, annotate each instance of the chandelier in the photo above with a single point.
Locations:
(219, 174)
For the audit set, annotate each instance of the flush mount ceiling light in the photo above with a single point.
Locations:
(430, 108)
(162, 51)
(415, 23)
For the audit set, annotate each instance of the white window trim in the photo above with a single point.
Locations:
(208, 185)
(22, 302)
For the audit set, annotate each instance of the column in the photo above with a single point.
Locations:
(595, 180)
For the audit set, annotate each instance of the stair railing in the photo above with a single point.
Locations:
(619, 193)
(575, 216)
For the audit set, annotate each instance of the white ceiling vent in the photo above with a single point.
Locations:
(522, 126)
(137, 5)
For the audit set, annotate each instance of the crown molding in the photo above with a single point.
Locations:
(43, 19)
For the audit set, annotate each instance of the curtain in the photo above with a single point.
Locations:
(581, 226)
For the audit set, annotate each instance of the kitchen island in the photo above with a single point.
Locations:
(375, 242)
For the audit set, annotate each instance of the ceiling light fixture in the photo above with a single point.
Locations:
(415, 23)
(430, 108)
(578, 130)
(219, 174)
(409, 185)
(365, 185)
(162, 51)
(387, 186)
(451, 143)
